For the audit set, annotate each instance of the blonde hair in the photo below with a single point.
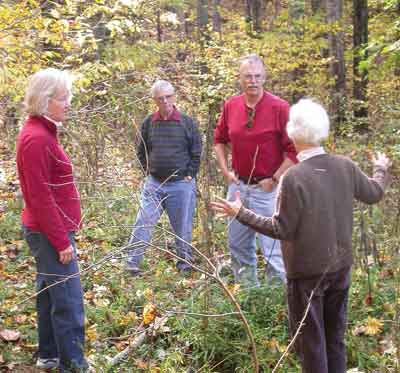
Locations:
(43, 85)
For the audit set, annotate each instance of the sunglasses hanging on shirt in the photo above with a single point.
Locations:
(250, 117)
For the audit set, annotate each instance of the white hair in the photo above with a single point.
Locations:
(251, 58)
(43, 85)
(308, 122)
(161, 85)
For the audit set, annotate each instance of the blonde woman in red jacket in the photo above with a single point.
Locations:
(50, 218)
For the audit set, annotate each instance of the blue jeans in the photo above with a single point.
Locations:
(178, 199)
(60, 313)
(242, 239)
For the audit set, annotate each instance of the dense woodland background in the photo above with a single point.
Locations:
(345, 54)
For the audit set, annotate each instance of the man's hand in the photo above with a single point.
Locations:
(188, 178)
(227, 208)
(381, 160)
(221, 151)
(230, 178)
(67, 255)
(267, 185)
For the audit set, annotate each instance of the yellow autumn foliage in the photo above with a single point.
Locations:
(373, 326)
(149, 313)
(234, 288)
(148, 294)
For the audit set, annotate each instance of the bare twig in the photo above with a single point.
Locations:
(289, 346)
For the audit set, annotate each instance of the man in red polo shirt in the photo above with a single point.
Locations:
(252, 126)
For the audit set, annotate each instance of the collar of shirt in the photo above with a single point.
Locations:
(263, 97)
(175, 115)
(57, 124)
(309, 153)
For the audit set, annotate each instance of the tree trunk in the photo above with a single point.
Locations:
(216, 16)
(159, 28)
(202, 16)
(277, 8)
(187, 25)
(257, 15)
(100, 33)
(337, 66)
(277, 11)
(297, 11)
(318, 6)
(297, 8)
(360, 78)
(248, 11)
(253, 16)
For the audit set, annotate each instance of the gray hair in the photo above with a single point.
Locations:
(161, 85)
(251, 58)
(43, 85)
(308, 122)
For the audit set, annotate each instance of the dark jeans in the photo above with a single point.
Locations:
(320, 344)
(60, 313)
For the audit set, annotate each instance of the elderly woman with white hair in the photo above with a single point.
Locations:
(50, 217)
(314, 219)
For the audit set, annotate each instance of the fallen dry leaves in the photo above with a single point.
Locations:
(10, 335)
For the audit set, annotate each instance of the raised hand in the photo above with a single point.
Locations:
(380, 159)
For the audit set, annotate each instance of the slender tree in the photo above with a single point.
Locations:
(360, 76)
(202, 16)
(253, 15)
(159, 27)
(318, 6)
(334, 10)
(297, 12)
(216, 16)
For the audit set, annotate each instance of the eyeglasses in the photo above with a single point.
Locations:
(164, 98)
(251, 77)
(251, 113)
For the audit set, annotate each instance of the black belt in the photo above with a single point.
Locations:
(253, 180)
(169, 178)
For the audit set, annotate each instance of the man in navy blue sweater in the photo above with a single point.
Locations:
(169, 152)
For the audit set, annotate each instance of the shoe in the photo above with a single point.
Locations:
(133, 270)
(185, 271)
(47, 363)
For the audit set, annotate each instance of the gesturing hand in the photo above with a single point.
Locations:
(380, 159)
(224, 207)
(66, 255)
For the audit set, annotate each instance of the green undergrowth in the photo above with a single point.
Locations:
(189, 341)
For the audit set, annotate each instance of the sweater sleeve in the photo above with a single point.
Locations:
(142, 150)
(195, 149)
(370, 190)
(283, 223)
(38, 195)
